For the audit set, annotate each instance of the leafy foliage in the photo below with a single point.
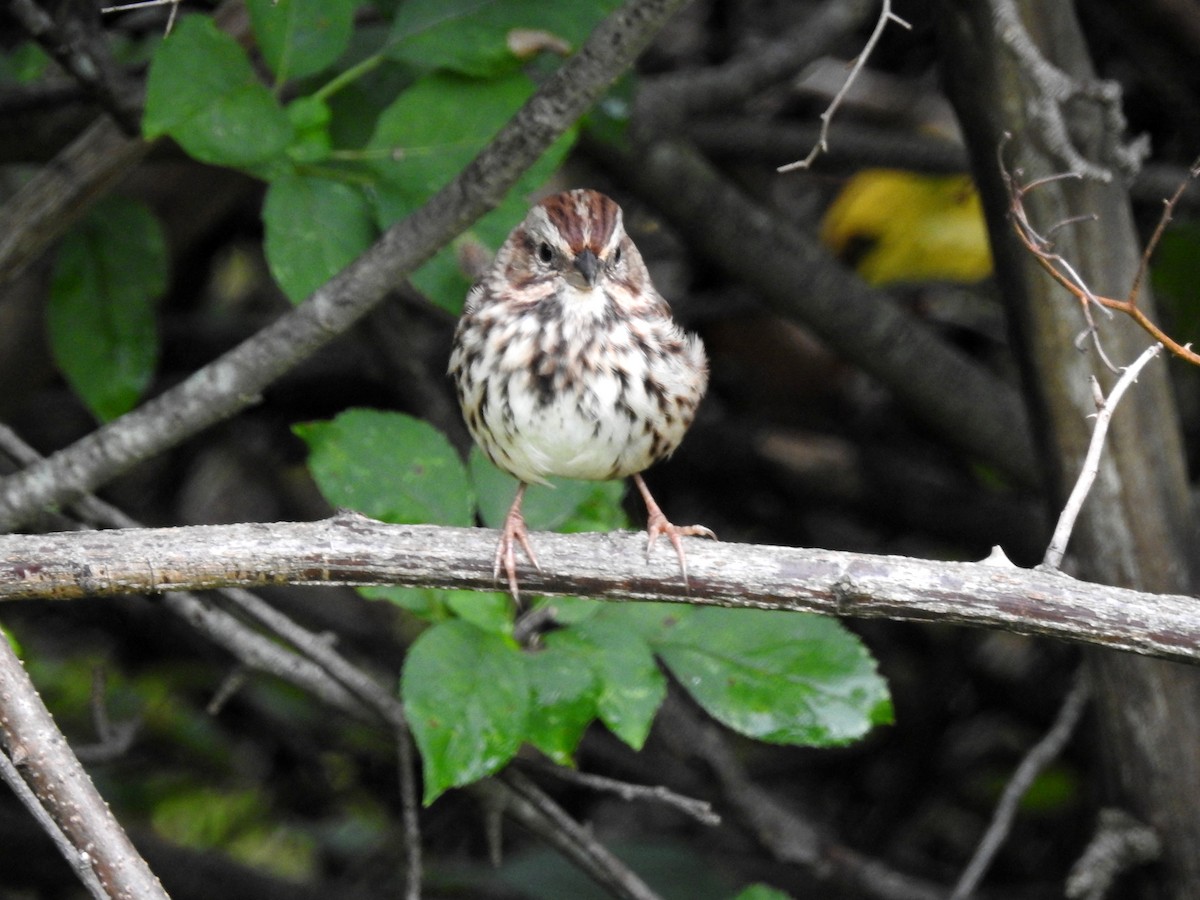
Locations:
(474, 696)
(110, 270)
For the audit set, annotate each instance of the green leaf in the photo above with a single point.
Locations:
(565, 694)
(466, 695)
(568, 505)
(433, 130)
(612, 643)
(487, 611)
(472, 36)
(202, 91)
(388, 466)
(425, 603)
(301, 37)
(314, 228)
(762, 892)
(426, 137)
(781, 677)
(110, 270)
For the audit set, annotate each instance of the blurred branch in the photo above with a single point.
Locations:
(352, 549)
(79, 47)
(1034, 763)
(668, 100)
(237, 379)
(799, 278)
(1091, 462)
(59, 193)
(40, 754)
(786, 834)
(311, 662)
(822, 143)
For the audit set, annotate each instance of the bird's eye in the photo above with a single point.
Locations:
(617, 256)
(545, 252)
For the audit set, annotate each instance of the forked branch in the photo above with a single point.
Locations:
(1041, 246)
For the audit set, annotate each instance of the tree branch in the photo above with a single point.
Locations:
(352, 549)
(237, 379)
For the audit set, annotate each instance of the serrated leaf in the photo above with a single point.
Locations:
(565, 693)
(314, 228)
(388, 466)
(567, 505)
(202, 91)
(781, 677)
(301, 37)
(613, 644)
(474, 37)
(109, 271)
(466, 695)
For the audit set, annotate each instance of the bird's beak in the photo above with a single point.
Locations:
(588, 265)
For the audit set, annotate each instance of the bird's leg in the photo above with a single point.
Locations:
(657, 523)
(512, 533)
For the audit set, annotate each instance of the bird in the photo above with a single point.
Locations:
(567, 363)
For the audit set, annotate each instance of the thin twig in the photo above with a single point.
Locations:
(352, 549)
(699, 810)
(1064, 273)
(1039, 756)
(528, 800)
(822, 145)
(1164, 220)
(1091, 461)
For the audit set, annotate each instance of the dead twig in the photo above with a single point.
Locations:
(1091, 461)
(1042, 249)
(822, 145)
(1040, 755)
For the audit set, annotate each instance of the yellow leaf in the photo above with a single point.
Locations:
(914, 227)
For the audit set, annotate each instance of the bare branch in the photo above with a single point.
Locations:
(1120, 843)
(10, 776)
(670, 100)
(351, 549)
(1064, 273)
(822, 145)
(1055, 88)
(1091, 461)
(1040, 755)
(784, 832)
(699, 810)
(527, 803)
(38, 750)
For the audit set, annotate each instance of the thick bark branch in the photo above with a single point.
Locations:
(39, 751)
(351, 549)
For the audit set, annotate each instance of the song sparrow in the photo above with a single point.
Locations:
(567, 362)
